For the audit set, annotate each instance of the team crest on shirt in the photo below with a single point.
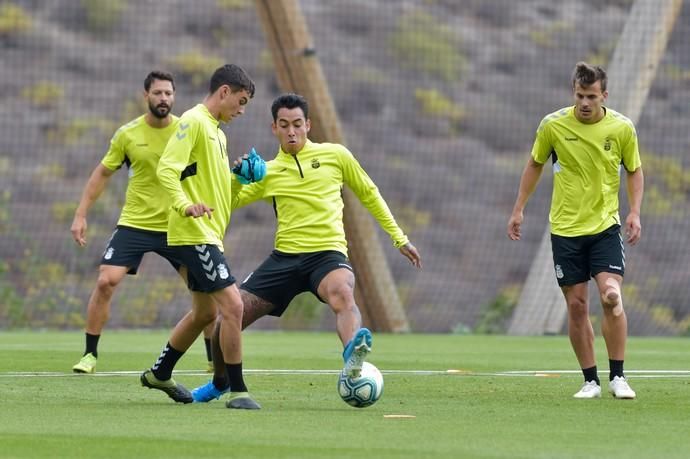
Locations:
(223, 271)
(315, 164)
(607, 144)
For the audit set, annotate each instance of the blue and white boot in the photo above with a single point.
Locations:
(356, 352)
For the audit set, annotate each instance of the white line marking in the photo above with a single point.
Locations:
(451, 372)
(531, 372)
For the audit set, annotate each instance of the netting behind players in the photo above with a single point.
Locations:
(439, 101)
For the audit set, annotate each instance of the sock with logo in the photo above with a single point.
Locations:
(163, 367)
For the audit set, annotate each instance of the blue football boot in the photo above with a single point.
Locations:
(356, 352)
(207, 392)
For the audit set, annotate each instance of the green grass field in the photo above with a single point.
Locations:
(476, 413)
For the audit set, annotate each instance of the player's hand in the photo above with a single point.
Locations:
(514, 225)
(411, 253)
(238, 162)
(633, 228)
(79, 230)
(249, 168)
(199, 210)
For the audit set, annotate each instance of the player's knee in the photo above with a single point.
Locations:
(610, 298)
(578, 308)
(106, 284)
(341, 296)
(204, 317)
(611, 293)
(232, 310)
(343, 305)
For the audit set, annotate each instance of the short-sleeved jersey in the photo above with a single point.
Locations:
(306, 193)
(139, 146)
(194, 169)
(586, 164)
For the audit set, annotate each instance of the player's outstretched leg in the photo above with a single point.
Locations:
(87, 364)
(174, 390)
(207, 392)
(356, 352)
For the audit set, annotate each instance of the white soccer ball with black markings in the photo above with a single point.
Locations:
(362, 391)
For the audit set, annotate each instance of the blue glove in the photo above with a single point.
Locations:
(251, 169)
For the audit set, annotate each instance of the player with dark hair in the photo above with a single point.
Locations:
(304, 184)
(588, 143)
(143, 221)
(194, 172)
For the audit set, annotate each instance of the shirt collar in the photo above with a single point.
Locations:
(307, 146)
(204, 109)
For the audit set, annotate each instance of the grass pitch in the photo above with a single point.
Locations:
(506, 397)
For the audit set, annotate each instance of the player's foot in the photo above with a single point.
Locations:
(242, 401)
(87, 364)
(209, 367)
(619, 388)
(175, 391)
(590, 389)
(207, 392)
(356, 351)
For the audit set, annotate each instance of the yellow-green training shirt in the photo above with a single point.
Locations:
(194, 169)
(306, 193)
(140, 146)
(586, 165)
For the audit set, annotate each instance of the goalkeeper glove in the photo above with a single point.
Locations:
(251, 169)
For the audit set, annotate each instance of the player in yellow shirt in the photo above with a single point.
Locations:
(195, 173)
(143, 221)
(588, 143)
(304, 185)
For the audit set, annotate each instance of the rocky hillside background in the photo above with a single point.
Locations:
(439, 100)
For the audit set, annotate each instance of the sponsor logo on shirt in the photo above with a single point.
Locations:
(571, 139)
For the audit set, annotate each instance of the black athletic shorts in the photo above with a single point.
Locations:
(577, 259)
(127, 246)
(283, 276)
(207, 270)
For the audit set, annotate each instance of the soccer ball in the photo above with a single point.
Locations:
(363, 391)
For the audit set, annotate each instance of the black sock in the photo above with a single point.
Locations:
(221, 383)
(207, 343)
(615, 369)
(163, 367)
(92, 344)
(590, 374)
(234, 371)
